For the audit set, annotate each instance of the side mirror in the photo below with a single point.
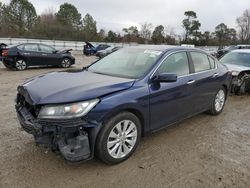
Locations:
(166, 77)
(55, 51)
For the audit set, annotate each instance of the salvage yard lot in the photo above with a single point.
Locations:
(203, 151)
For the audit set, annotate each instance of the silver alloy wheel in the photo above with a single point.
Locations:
(66, 63)
(122, 139)
(21, 64)
(219, 100)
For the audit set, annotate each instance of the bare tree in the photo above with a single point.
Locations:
(243, 23)
(146, 31)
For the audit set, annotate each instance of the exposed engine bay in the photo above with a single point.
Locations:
(241, 83)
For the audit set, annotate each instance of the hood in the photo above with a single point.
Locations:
(238, 68)
(66, 87)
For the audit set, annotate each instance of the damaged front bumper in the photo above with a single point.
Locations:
(74, 138)
(241, 84)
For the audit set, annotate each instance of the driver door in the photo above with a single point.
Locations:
(171, 102)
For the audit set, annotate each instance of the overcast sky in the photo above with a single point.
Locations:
(116, 14)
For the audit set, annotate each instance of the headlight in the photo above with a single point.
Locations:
(235, 73)
(67, 111)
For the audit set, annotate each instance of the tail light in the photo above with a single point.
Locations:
(5, 53)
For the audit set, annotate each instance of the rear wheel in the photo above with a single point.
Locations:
(118, 138)
(21, 65)
(66, 63)
(218, 102)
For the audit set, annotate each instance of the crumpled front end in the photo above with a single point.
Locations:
(73, 138)
(241, 83)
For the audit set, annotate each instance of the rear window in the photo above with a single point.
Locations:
(21, 47)
(201, 62)
(31, 47)
(212, 62)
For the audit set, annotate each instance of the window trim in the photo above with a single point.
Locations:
(189, 68)
(191, 65)
(210, 68)
(31, 50)
(40, 50)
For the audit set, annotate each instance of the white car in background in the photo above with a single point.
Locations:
(238, 62)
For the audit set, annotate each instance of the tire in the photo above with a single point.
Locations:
(20, 65)
(218, 102)
(112, 147)
(66, 63)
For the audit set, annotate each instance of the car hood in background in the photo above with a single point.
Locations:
(66, 87)
(238, 68)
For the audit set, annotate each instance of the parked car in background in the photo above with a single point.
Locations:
(2, 46)
(104, 109)
(107, 51)
(89, 49)
(223, 51)
(22, 56)
(238, 62)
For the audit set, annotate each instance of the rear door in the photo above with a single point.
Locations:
(31, 53)
(49, 55)
(206, 80)
(171, 102)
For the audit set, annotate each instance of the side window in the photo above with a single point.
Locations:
(31, 47)
(212, 63)
(176, 63)
(200, 61)
(47, 49)
(21, 47)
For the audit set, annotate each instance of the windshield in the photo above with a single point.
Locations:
(236, 58)
(128, 62)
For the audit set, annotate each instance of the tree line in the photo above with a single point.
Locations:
(20, 19)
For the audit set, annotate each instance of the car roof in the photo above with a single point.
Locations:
(165, 48)
(242, 51)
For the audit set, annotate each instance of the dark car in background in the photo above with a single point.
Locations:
(106, 108)
(223, 51)
(89, 49)
(238, 62)
(22, 56)
(2, 47)
(107, 51)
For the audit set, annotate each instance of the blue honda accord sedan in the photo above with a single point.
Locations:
(105, 109)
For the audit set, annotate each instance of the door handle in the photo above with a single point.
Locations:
(215, 75)
(191, 82)
(26, 53)
(44, 54)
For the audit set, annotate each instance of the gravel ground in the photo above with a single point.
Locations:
(203, 151)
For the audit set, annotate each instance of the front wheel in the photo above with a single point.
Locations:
(118, 138)
(218, 102)
(66, 63)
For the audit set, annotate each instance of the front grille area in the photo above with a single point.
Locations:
(62, 122)
(34, 110)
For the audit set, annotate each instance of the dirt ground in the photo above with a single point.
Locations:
(203, 151)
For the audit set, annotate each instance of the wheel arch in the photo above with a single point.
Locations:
(132, 110)
(226, 89)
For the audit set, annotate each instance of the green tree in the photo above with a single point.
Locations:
(22, 15)
(69, 15)
(225, 35)
(131, 34)
(89, 28)
(112, 37)
(158, 35)
(191, 25)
